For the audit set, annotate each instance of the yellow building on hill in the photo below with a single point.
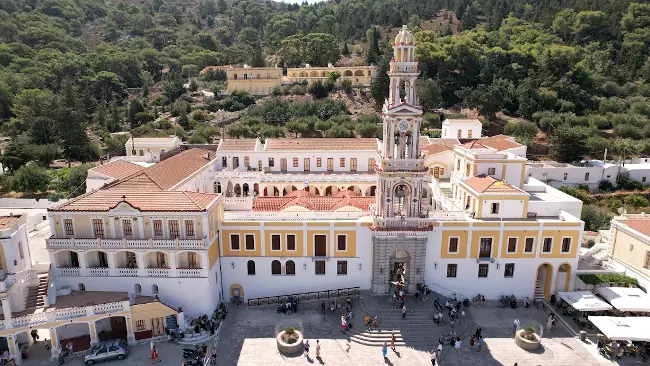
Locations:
(255, 80)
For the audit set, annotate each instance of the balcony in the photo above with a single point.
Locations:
(69, 272)
(388, 165)
(158, 272)
(190, 272)
(127, 272)
(98, 271)
(398, 223)
(57, 243)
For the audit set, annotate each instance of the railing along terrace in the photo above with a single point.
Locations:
(305, 296)
(126, 243)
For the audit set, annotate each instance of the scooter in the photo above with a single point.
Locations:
(193, 362)
(198, 351)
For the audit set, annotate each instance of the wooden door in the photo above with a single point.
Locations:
(320, 245)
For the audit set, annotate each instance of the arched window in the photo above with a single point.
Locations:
(290, 268)
(154, 289)
(251, 268)
(276, 268)
(82, 287)
(137, 288)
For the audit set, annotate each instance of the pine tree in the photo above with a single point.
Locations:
(345, 50)
(101, 115)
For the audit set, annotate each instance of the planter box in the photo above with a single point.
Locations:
(525, 343)
(289, 348)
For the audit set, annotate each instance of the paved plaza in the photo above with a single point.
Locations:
(248, 338)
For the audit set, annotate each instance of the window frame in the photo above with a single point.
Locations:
(246, 236)
(273, 269)
(341, 268)
(492, 171)
(286, 268)
(512, 270)
(317, 264)
(271, 162)
(330, 164)
(550, 250)
(508, 244)
(127, 227)
(319, 162)
(570, 244)
(178, 228)
(306, 165)
(140, 325)
(457, 244)
(93, 222)
(295, 163)
(345, 236)
(494, 205)
(532, 247)
(162, 228)
(248, 267)
(187, 225)
(487, 270)
(238, 242)
(295, 243)
(353, 164)
(452, 270)
(65, 227)
(279, 237)
(646, 265)
(371, 164)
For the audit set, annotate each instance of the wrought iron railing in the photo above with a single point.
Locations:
(307, 296)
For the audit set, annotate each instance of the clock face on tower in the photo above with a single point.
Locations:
(403, 126)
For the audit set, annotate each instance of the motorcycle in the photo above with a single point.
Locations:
(193, 362)
(197, 351)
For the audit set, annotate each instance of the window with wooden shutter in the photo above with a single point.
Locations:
(371, 164)
(529, 245)
(295, 162)
(98, 228)
(189, 228)
(291, 242)
(341, 243)
(174, 229)
(452, 270)
(330, 164)
(453, 245)
(319, 162)
(192, 261)
(158, 228)
(353, 164)
(512, 245)
(234, 242)
(342, 162)
(275, 242)
(127, 227)
(250, 242)
(131, 261)
(342, 267)
(69, 227)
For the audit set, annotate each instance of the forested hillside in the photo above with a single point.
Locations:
(72, 71)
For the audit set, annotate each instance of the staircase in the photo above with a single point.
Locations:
(539, 291)
(35, 294)
(417, 330)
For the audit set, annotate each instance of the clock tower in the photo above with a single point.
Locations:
(400, 228)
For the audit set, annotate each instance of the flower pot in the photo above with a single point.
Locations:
(289, 348)
(527, 344)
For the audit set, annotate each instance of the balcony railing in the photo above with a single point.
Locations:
(292, 216)
(403, 164)
(69, 271)
(98, 271)
(126, 243)
(36, 319)
(157, 272)
(127, 272)
(190, 272)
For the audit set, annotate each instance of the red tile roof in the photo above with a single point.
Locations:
(312, 202)
(7, 221)
(486, 184)
(500, 142)
(473, 145)
(436, 148)
(237, 145)
(147, 201)
(337, 144)
(117, 169)
(640, 225)
(215, 68)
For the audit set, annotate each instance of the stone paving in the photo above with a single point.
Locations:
(249, 339)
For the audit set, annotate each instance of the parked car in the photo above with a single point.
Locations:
(107, 350)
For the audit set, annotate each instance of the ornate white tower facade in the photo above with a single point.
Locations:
(400, 227)
(401, 168)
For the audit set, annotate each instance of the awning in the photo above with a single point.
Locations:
(584, 301)
(623, 328)
(625, 298)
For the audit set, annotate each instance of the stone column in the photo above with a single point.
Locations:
(110, 256)
(142, 272)
(93, 333)
(130, 336)
(14, 352)
(172, 264)
(82, 263)
(54, 342)
(6, 310)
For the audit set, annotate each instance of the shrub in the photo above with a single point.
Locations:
(529, 333)
(597, 279)
(347, 86)
(605, 186)
(318, 90)
(298, 90)
(577, 193)
(290, 335)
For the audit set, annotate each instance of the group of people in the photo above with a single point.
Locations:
(306, 346)
(453, 308)
(64, 352)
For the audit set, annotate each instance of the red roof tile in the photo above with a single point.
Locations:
(7, 221)
(500, 142)
(640, 225)
(117, 169)
(237, 145)
(486, 184)
(147, 201)
(436, 148)
(313, 203)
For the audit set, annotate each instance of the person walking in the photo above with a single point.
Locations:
(384, 350)
(472, 342)
(515, 325)
(154, 355)
(479, 344)
(317, 349)
(61, 356)
(375, 323)
(404, 312)
(478, 332)
(458, 343)
(306, 345)
(392, 341)
(433, 358)
(549, 322)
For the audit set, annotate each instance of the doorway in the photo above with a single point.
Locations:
(397, 272)
(320, 245)
(485, 250)
(436, 172)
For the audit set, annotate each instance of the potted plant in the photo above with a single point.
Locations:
(289, 340)
(527, 338)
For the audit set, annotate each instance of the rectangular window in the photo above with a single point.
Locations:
(341, 243)
(98, 228)
(20, 250)
(319, 267)
(458, 165)
(157, 228)
(512, 245)
(131, 261)
(586, 176)
(548, 245)
(271, 162)
(529, 245)
(353, 164)
(246, 161)
(189, 228)
(451, 270)
(250, 242)
(224, 161)
(69, 227)
(141, 153)
(275, 242)
(483, 270)
(259, 165)
(459, 133)
(295, 162)
(509, 271)
(491, 171)
(160, 260)
(494, 208)
(485, 248)
(234, 242)
(453, 245)
(646, 265)
(371, 165)
(330, 164)
(127, 227)
(174, 229)
(305, 164)
(342, 162)
(319, 162)
(283, 164)
(139, 325)
(566, 245)
(341, 267)
(291, 242)
(469, 134)
(320, 245)
(191, 260)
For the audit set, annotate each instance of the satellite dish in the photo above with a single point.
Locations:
(622, 210)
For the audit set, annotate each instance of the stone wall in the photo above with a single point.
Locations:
(389, 249)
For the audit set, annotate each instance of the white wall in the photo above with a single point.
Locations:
(72, 330)
(450, 129)
(96, 183)
(507, 209)
(253, 157)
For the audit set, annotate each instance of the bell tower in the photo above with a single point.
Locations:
(401, 170)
